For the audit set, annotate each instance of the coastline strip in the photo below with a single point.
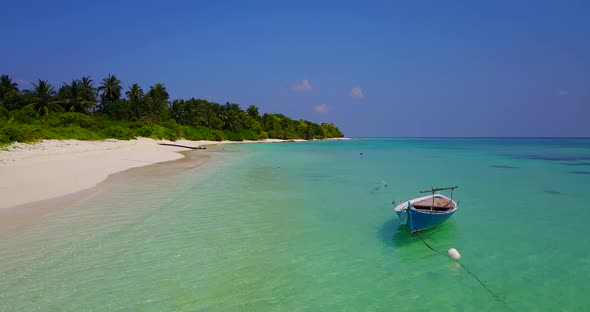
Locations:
(19, 216)
(51, 168)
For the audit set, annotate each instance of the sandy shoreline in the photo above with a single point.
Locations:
(50, 169)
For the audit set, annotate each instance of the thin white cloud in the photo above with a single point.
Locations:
(356, 93)
(322, 108)
(563, 92)
(302, 86)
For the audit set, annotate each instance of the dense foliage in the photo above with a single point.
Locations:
(79, 110)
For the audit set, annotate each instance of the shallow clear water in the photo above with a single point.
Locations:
(310, 226)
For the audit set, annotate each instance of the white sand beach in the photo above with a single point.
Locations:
(51, 168)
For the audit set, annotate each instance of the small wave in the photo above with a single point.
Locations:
(503, 167)
(580, 172)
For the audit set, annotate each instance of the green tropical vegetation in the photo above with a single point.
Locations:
(80, 110)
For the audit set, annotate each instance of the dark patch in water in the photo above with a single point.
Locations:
(378, 188)
(503, 167)
(552, 192)
(452, 148)
(554, 158)
(318, 176)
(394, 234)
(576, 164)
(580, 172)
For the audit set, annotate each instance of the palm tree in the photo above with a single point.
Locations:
(158, 91)
(157, 101)
(7, 86)
(88, 91)
(252, 111)
(110, 89)
(232, 116)
(135, 92)
(8, 92)
(135, 96)
(74, 97)
(43, 94)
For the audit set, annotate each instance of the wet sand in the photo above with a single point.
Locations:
(16, 217)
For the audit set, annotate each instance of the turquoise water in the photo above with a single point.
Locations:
(310, 227)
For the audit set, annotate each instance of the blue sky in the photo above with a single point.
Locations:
(375, 68)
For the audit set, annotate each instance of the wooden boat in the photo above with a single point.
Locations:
(428, 211)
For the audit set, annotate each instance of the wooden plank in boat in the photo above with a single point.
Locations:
(438, 202)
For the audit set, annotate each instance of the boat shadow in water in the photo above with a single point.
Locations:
(394, 234)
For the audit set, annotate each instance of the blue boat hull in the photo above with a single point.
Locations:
(418, 221)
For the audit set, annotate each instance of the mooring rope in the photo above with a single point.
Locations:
(498, 298)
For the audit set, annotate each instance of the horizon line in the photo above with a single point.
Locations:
(470, 137)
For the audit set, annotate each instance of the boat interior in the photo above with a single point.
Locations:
(439, 204)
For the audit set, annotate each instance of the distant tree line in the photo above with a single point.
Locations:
(79, 110)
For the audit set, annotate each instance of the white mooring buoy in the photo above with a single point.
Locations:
(454, 254)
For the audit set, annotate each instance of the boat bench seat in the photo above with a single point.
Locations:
(435, 209)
